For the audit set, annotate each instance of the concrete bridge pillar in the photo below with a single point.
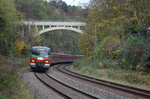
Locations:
(22, 31)
(29, 27)
(43, 27)
(78, 27)
(36, 27)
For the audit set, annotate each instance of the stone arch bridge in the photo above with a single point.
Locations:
(46, 26)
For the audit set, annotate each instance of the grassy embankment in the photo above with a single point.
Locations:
(11, 86)
(3, 97)
(110, 72)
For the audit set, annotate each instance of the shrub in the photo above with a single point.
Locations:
(11, 86)
(3, 97)
(134, 53)
(135, 78)
(108, 48)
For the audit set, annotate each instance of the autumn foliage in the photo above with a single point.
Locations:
(117, 31)
(18, 47)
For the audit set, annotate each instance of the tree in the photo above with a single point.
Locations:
(53, 3)
(118, 29)
(9, 19)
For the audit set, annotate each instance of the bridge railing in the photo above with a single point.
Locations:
(53, 21)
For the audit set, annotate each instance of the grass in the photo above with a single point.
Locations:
(10, 84)
(3, 97)
(102, 71)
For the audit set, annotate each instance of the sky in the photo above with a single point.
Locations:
(76, 2)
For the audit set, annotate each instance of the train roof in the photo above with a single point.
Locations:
(65, 54)
(35, 47)
(59, 53)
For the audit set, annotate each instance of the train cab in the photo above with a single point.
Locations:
(40, 58)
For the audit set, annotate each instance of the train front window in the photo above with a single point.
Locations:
(40, 53)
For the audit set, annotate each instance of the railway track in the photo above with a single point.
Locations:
(64, 90)
(144, 94)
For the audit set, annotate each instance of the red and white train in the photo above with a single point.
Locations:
(42, 58)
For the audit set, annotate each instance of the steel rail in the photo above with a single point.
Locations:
(63, 95)
(128, 89)
(88, 95)
(65, 90)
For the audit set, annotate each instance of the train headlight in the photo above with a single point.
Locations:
(32, 61)
(47, 62)
(40, 58)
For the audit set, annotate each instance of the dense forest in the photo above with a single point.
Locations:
(117, 33)
(53, 10)
(14, 43)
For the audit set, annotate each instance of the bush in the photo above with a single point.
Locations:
(135, 78)
(87, 62)
(134, 54)
(11, 86)
(108, 64)
(108, 48)
(3, 97)
(8, 81)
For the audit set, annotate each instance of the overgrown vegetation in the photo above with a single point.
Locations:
(3, 97)
(118, 32)
(111, 72)
(9, 21)
(62, 42)
(10, 84)
(52, 10)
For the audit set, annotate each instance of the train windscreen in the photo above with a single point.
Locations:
(41, 52)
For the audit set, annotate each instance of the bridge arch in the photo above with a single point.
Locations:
(60, 28)
(55, 25)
